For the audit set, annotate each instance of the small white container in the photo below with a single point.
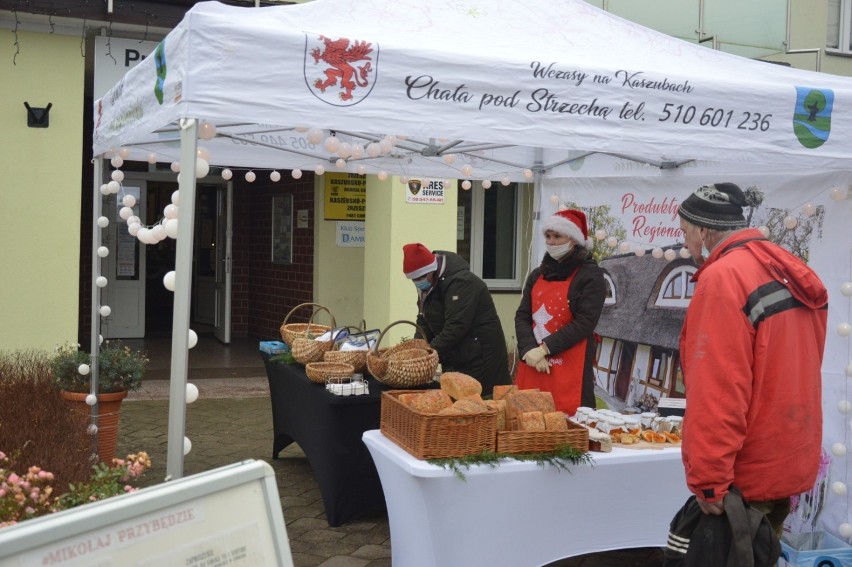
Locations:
(648, 419)
(611, 424)
(593, 418)
(582, 414)
(632, 422)
(660, 425)
(676, 424)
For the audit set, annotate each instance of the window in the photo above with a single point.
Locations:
(610, 290)
(488, 233)
(839, 25)
(659, 365)
(677, 288)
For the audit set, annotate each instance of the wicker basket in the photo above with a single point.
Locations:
(432, 436)
(357, 358)
(291, 331)
(408, 364)
(511, 442)
(321, 372)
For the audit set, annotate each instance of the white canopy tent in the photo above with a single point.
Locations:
(514, 90)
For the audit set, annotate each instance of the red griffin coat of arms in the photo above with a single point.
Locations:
(350, 66)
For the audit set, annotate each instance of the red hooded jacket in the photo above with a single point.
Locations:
(751, 351)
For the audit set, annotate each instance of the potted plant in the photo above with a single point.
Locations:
(120, 371)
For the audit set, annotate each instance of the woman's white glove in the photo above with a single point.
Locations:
(534, 356)
(543, 366)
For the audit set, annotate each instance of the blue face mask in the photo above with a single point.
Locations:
(705, 253)
(425, 285)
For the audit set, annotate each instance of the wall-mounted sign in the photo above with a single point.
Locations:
(349, 234)
(345, 196)
(430, 191)
(302, 218)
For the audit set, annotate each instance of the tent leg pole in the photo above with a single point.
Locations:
(183, 281)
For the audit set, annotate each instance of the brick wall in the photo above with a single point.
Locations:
(265, 292)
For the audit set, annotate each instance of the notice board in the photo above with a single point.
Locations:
(345, 196)
(227, 517)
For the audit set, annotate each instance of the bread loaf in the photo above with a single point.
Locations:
(430, 401)
(500, 407)
(458, 385)
(500, 391)
(531, 421)
(464, 407)
(555, 421)
(522, 401)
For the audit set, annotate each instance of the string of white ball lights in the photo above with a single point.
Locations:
(166, 227)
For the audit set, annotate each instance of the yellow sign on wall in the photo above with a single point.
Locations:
(345, 196)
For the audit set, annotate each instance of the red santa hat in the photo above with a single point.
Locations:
(571, 223)
(417, 260)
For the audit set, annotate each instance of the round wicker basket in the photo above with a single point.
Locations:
(410, 363)
(321, 372)
(292, 331)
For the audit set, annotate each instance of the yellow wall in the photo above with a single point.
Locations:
(40, 169)
(338, 271)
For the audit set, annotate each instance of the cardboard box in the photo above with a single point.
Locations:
(273, 347)
(814, 549)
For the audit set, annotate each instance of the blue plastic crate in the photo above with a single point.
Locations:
(814, 549)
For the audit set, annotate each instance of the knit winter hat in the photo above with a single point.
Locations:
(718, 207)
(417, 260)
(571, 223)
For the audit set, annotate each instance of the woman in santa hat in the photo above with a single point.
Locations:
(560, 307)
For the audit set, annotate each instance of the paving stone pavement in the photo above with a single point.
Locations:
(231, 423)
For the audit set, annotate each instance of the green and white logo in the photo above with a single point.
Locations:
(812, 117)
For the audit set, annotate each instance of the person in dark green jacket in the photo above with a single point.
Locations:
(457, 315)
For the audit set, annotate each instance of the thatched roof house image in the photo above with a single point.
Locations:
(640, 328)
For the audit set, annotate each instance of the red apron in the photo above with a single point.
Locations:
(550, 313)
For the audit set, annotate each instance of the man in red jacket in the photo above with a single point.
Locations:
(751, 351)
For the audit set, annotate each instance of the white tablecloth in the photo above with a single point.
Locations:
(520, 514)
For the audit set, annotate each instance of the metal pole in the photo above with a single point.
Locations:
(183, 280)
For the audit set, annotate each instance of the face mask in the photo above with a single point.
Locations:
(425, 285)
(558, 251)
(705, 253)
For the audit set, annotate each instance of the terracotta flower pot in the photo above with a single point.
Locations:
(108, 415)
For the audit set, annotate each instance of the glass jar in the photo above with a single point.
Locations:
(612, 425)
(582, 415)
(632, 422)
(660, 425)
(648, 419)
(676, 424)
(592, 419)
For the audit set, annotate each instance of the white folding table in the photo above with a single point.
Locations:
(522, 514)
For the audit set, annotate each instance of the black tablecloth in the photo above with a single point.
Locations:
(328, 428)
